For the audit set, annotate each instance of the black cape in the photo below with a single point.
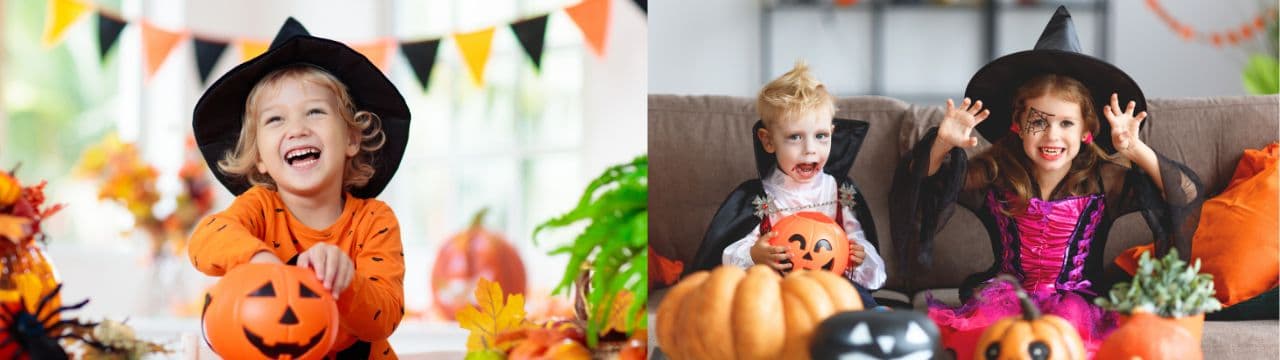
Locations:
(736, 216)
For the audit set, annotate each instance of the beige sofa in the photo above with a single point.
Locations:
(700, 149)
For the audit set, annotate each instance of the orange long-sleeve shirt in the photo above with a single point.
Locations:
(371, 307)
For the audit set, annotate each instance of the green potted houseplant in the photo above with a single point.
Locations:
(1166, 288)
(608, 259)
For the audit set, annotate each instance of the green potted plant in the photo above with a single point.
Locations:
(608, 259)
(1166, 288)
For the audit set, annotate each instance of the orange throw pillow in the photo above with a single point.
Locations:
(663, 271)
(1237, 239)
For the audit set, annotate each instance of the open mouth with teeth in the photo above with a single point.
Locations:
(302, 157)
(806, 170)
(1051, 153)
(280, 350)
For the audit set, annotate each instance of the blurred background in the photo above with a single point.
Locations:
(539, 98)
(923, 51)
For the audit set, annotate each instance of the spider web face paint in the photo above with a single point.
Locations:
(1037, 121)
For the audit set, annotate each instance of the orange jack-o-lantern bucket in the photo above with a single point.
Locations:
(814, 242)
(270, 311)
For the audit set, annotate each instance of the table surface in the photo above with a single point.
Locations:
(412, 340)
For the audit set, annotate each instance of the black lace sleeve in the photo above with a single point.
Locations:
(922, 203)
(1171, 216)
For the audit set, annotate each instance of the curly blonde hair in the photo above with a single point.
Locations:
(242, 161)
(795, 93)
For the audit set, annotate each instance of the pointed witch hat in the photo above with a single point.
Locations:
(219, 114)
(1057, 52)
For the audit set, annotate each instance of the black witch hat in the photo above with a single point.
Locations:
(219, 114)
(1057, 52)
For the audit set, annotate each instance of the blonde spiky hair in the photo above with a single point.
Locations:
(794, 93)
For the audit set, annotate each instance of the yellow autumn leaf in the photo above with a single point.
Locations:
(492, 318)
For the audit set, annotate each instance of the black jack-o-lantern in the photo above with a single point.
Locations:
(814, 241)
(269, 311)
(875, 334)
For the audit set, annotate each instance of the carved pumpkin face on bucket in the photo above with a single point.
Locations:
(814, 242)
(269, 311)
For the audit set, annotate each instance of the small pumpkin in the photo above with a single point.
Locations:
(9, 189)
(1147, 336)
(270, 311)
(876, 335)
(728, 313)
(468, 256)
(1031, 336)
(814, 241)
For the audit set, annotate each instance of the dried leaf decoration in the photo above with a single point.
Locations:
(492, 318)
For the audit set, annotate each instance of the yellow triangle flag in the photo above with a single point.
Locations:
(592, 17)
(252, 48)
(58, 16)
(376, 51)
(157, 43)
(475, 50)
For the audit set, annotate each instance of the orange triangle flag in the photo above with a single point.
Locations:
(252, 48)
(157, 43)
(592, 17)
(58, 16)
(475, 50)
(375, 51)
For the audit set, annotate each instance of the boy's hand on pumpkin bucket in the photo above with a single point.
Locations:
(332, 266)
(857, 254)
(763, 253)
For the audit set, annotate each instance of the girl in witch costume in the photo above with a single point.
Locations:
(306, 135)
(804, 158)
(1047, 190)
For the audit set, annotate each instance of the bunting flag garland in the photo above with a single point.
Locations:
(59, 16)
(1231, 36)
(530, 33)
(109, 28)
(475, 50)
(157, 43)
(252, 48)
(376, 52)
(207, 54)
(422, 58)
(590, 16)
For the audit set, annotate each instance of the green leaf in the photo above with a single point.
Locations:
(1261, 75)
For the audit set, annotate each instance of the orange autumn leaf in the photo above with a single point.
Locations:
(14, 228)
(494, 317)
(617, 315)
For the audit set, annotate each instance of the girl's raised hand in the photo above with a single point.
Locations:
(1124, 125)
(957, 124)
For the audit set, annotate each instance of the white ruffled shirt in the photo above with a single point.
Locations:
(789, 194)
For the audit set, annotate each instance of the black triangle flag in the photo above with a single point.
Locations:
(643, 4)
(531, 32)
(422, 57)
(207, 54)
(109, 28)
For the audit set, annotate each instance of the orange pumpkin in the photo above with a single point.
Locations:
(270, 311)
(1030, 336)
(814, 241)
(468, 256)
(1147, 336)
(728, 313)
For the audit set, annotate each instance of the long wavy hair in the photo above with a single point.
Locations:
(1006, 164)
